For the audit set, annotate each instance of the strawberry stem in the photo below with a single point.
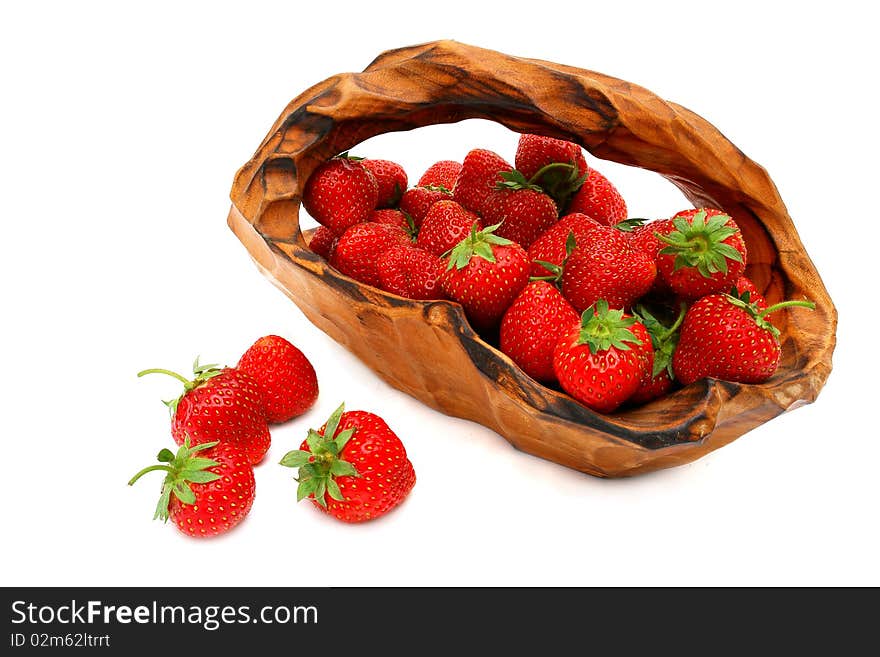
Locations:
(182, 468)
(201, 373)
(151, 468)
(186, 382)
(677, 323)
(787, 304)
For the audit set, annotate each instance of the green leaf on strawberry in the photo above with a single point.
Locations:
(664, 338)
(182, 468)
(699, 243)
(515, 180)
(758, 314)
(321, 463)
(201, 373)
(478, 243)
(603, 328)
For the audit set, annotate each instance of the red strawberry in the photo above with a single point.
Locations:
(323, 242)
(522, 210)
(534, 152)
(208, 489)
(412, 273)
(606, 266)
(557, 166)
(446, 224)
(391, 179)
(485, 274)
(441, 174)
(223, 405)
(340, 193)
(728, 338)
(287, 380)
(599, 199)
(360, 246)
(658, 379)
(417, 201)
(550, 246)
(394, 218)
(642, 237)
(597, 361)
(355, 467)
(704, 253)
(532, 326)
(744, 285)
(480, 173)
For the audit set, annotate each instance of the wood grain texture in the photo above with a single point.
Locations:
(428, 349)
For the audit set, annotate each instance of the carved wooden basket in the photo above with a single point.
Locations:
(428, 349)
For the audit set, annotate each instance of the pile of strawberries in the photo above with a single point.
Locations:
(354, 467)
(547, 266)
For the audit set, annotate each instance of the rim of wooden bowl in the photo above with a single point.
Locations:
(447, 82)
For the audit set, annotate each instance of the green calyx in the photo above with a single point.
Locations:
(513, 180)
(201, 373)
(744, 302)
(321, 463)
(347, 156)
(412, 231)
(559, 180)
(603, 328)
(182, 469)
(478, 243)
(436, 188)
(700, 243)
(629, 225)
(664, 339)
(555, 270)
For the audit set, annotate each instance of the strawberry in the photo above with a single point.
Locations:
(360, 246)
(743, 285)
(550, 246)
(729, 338)
(596, 360)
(558, 166)
(394, 218)
(209, 488)
(445, 225)
(534, 152)
(355, 467)
(523, 210)
(443, 174)
(485, 274)
(410, 272)
(532, 326)
(599, 199)
(480, 172)
(391, 180)
(287, 380)
(219, 404)
(417, 201)
(323, 242)
(704, 253)
(657, 379)
(606, 266)
(340, 193)
(642, 236)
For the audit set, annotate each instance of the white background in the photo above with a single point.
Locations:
(121, 131)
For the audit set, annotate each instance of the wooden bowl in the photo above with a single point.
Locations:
(428, 349)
